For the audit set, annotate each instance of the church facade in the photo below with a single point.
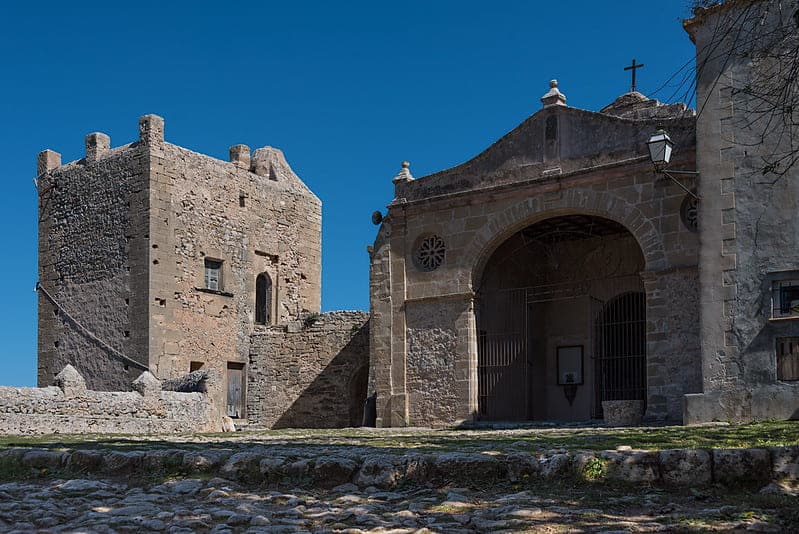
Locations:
(557, 270)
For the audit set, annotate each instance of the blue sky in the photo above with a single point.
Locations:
(346, 89)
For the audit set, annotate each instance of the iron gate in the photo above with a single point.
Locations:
(620, 350)
(506, 364)
(503, 356)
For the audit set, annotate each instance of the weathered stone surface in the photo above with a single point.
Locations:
(685, 467)
(243, 466)
(522, 466)
(314, 378)
(470, 468)
(147, 385)
(632, 466)
(785, 462)
(380, 472)
(333, 471)
(555, 465)
(744, 466)
(73, 409)
(70, 382)
(623, 412)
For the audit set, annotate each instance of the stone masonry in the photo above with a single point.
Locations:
(125, 238)
(310, 374)
(71, 408)
(157, 258)
(750, 230)
(559, 162)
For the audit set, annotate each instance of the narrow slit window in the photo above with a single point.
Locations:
(213, 274)
(263, 299)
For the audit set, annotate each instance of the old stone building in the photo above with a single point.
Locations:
(560, 274)
(558, 270)
(155, 257)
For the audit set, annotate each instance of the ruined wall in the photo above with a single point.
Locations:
(92, 245)
(749, 228)
(71, 408)
(311, 375)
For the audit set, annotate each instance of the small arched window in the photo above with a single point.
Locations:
(263, 299)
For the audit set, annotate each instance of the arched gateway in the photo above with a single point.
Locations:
(547, 274)
(560, 318)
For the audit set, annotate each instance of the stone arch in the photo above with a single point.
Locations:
(504, 224)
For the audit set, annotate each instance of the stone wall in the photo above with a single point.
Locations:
(749, 227)
(254, 223)
(432, 341)
(92, 234)
(311, 373)
(71, 408)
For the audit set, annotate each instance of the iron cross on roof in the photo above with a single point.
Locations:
(633, 68)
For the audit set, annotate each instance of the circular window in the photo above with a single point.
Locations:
(689, 213)
(429, 253)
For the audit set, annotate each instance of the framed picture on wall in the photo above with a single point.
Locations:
(570, 365)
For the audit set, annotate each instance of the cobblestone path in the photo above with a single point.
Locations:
(218, 505)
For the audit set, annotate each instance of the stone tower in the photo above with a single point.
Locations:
(749, 224)
(152, 256)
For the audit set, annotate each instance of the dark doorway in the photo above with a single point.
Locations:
(357, 391)
(263, 299)
(235, 390)
(567, 281)
(620, 354)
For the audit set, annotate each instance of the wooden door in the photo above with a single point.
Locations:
(235, 390)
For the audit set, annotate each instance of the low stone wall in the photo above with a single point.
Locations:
(309, 374)
(327, 467)
(70, 408)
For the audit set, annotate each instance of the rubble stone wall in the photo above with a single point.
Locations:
(310, 374)
(92, 242)
(70, 408)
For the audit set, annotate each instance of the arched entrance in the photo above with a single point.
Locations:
(560, 323)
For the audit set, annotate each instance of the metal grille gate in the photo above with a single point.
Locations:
(620, 350)
(506, 363)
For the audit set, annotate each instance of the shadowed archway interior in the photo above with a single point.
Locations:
(560, 321)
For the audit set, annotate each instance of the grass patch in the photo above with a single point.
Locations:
(530, 439)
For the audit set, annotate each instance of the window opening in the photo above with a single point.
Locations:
(785, 298)
(213, 274)
(263, 299)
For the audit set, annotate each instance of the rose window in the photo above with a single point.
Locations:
(429, 253)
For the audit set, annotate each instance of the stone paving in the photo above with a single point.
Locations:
(219, 505)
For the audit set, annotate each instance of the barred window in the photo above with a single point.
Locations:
(785, 298)
(788, 358)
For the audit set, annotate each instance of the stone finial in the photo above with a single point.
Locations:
(47, 161)
(147, 385)
(240, 156)
(70, 381)
(404, 175)
(97, 146)
(151, 129)
(554, 97)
